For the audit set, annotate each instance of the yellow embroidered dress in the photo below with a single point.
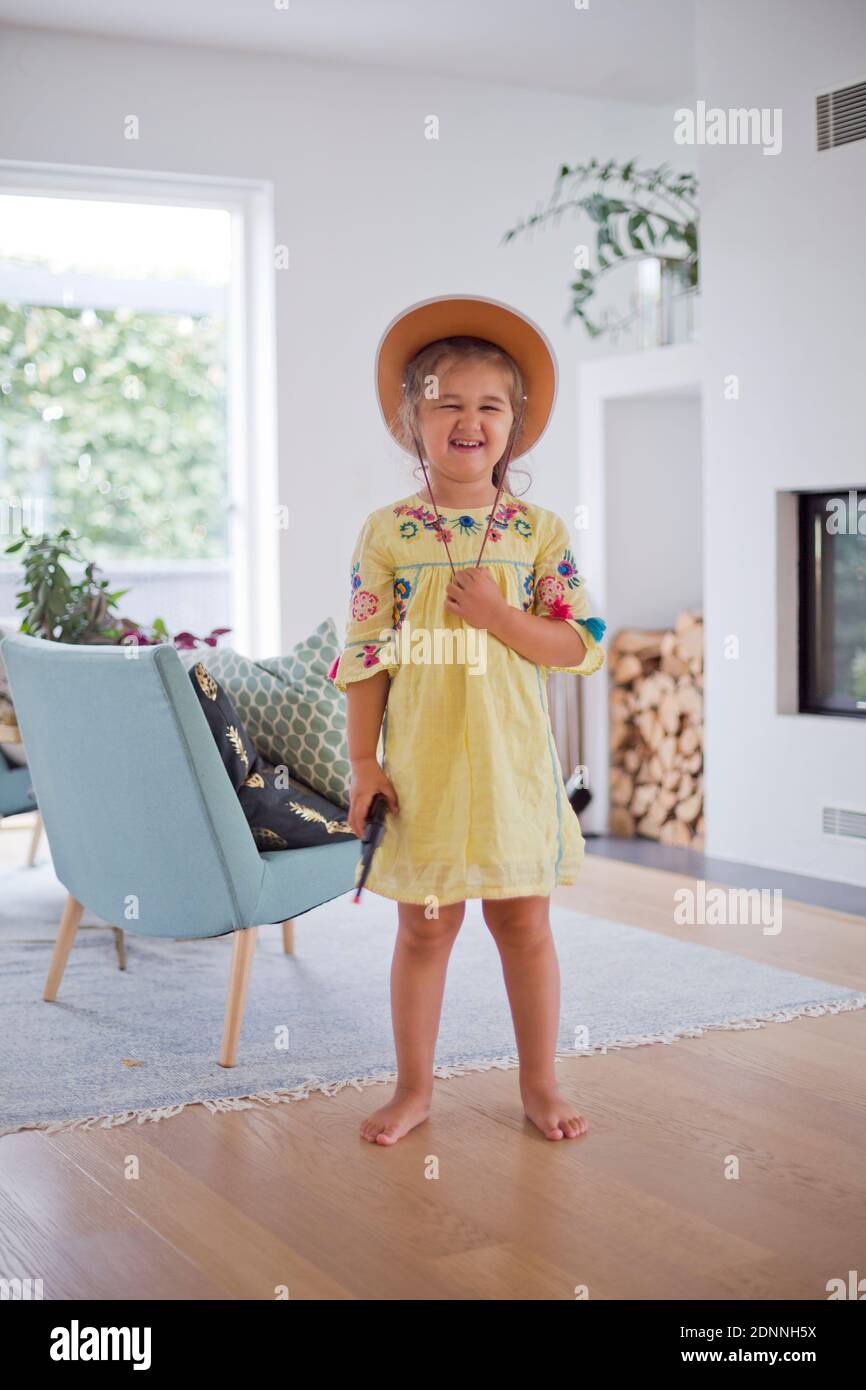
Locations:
(466, 738)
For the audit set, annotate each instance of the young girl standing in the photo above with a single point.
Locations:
(477, 804)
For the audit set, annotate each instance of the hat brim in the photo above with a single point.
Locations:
(450, 315)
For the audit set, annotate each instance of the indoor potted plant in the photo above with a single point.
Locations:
(60, 609)
(655, 218)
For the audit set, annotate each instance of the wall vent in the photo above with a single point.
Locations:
(841, 116)
(844, 823)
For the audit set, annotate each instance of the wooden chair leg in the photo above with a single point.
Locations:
(289, 936)
(34, 840)
(243, 950)
(63, 945)
(120, 947)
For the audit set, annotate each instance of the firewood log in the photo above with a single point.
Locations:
(691, 702)
(669, 713)
(691, 644)
(688, 810)
(667, 749)
(643, 798)
(622, 787)
(650, 826)
(674, 832)
(640, 643)
(688, 739)
(620, 822)
(657, 731)
(686, 620)
(628, 668)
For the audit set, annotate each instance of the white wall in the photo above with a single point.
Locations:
(375, 217)
(784, 308)
(654, 517)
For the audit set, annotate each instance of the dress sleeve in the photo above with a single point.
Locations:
(559, 592)
(370, 644)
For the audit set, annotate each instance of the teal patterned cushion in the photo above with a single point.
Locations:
(294, 715)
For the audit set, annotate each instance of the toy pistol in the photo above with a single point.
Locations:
(374, 829)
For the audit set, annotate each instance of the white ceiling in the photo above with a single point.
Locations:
(625, 50)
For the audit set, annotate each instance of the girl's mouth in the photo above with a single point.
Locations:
(467, 445)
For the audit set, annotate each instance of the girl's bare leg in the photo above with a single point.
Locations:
(418, 972)
(521, 930)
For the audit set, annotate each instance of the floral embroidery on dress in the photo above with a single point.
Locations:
(551, 593)
(468, 525)
(507, 518)
(409, 530)
(364, 605)
(369, 653)
(551, 587)
(442, 534)
(568, 569)
(402, 591)
(529, 590)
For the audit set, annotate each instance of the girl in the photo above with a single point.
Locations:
(486, 591)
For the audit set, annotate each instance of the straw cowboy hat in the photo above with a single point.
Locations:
(450, 315)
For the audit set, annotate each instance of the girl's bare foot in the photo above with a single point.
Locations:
(555, 1116)
(390, 1122)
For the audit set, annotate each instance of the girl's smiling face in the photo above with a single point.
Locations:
(465, 430)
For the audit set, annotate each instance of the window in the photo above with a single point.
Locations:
(833, 602)
(113, 397)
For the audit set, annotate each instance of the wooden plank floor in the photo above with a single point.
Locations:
(238, 1205)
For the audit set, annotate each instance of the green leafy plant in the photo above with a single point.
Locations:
(119, 417)
(658, 217)
(62, 610)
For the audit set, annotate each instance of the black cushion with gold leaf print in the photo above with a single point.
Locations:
(236, 748)
(286, 814)
(281, 812)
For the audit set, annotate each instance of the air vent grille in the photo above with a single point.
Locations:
(838, 820)
(841, 116)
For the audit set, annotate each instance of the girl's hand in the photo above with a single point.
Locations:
(475, 596)
(367, 779)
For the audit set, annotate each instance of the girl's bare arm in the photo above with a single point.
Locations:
(547, 641)
(366, 708)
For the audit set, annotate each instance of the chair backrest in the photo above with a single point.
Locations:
(140, 815)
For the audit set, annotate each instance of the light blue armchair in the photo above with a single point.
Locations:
(14, 786)
(144, 826)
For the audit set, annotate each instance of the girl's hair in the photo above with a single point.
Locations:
(427, 362)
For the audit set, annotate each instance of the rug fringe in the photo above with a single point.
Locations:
(258, 1099)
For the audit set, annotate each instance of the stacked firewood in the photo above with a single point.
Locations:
(657, 732)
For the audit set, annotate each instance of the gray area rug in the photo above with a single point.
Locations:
(141, 1044)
